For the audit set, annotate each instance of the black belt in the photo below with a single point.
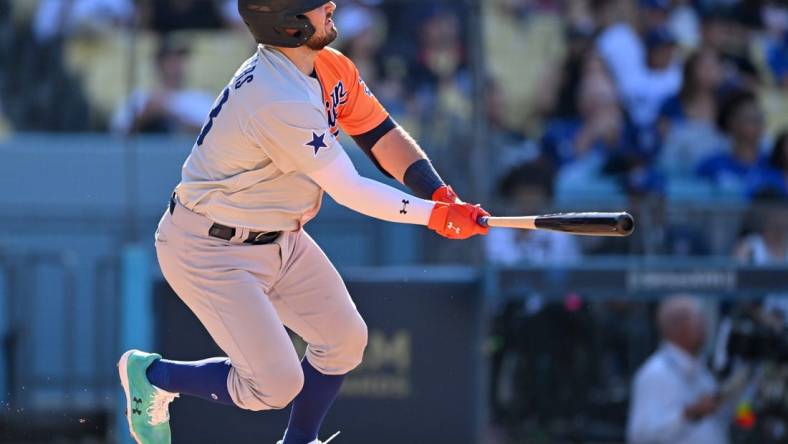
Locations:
(226, 233)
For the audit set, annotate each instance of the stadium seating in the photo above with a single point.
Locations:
(214, 57)
(104, 66)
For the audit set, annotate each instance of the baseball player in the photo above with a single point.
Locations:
(232, 244)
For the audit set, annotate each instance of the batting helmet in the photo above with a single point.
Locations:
(269, 20)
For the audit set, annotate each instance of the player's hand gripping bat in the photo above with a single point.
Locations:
(589, 224)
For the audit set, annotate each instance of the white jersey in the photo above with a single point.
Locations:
(269, 127)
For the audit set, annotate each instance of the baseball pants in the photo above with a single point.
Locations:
(246, 294)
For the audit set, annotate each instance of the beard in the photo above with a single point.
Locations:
(318, 42)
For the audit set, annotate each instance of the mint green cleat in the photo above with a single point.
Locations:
(147, 406)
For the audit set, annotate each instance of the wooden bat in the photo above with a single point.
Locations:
(589, 224)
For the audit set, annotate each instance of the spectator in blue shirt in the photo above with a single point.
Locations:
(744, 170)
(601, 126)
(601, 144)
(687, 120)
(697, 98)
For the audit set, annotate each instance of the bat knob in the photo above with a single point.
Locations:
(482, 220)
(625, 224)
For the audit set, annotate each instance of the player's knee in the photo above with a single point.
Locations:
(344, 349)
(286, 387)
(355, 342)
(276, 390)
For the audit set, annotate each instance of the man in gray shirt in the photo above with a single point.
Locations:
(675, 398)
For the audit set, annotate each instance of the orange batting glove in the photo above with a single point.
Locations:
(457, 220)
(446, 194)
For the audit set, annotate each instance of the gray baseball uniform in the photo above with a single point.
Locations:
(271, 126)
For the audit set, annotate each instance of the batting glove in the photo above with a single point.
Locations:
(446, 194)
(457, 220)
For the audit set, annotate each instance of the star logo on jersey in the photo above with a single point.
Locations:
(317, 142)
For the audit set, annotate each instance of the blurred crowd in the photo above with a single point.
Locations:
(630, 102)
(668, 100)
(673, 101)
(677, 102)
(657, 94)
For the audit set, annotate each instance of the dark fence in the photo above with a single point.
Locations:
(421, 381)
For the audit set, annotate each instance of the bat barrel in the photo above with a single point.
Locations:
(594, 224)
(625, 224)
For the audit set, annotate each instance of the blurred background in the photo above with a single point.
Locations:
(676, 111)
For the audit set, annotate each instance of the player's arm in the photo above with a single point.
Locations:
(342, 182)
(388, 145)
(397, 155)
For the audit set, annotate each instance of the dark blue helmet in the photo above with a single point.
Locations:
(269, 20)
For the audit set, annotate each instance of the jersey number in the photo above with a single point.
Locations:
(242, 79)
(214, 113)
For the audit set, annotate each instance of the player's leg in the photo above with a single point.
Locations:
(313, 301)
(205, 379)
(262, 371)
(225, 286)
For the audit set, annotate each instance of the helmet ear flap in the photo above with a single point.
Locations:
(300, 24)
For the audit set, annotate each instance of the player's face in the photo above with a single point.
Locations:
(322, 19)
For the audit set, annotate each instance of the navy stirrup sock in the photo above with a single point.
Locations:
(205, 379)
(311, 405)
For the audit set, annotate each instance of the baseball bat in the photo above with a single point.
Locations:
(589, 224)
